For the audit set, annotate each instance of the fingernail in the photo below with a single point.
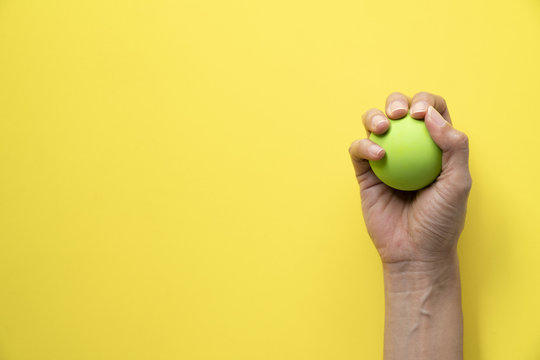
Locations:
(436, 117)
(419, 107)
(375, 150)
(378, 121)
(395, 107)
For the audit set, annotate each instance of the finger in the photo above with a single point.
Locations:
(375, 121)
(397, 105)
(421, 101)
(363, 150)
(455, 146)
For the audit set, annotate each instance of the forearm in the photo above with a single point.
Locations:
(423, 311)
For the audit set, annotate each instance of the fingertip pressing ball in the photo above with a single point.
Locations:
(412, 160)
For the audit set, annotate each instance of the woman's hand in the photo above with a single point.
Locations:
(416, 235)
(418, 226)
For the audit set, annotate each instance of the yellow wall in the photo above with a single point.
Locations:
(175, 182)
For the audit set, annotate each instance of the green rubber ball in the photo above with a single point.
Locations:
(412, 159)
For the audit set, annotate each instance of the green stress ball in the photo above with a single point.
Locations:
(412, 160)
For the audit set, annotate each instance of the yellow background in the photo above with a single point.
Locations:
(175, 182)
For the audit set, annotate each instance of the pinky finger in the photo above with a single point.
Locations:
(361, 151)
(365, 149)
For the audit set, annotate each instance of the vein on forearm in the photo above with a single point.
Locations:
(422, 318)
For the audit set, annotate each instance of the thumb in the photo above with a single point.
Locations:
(455, 146)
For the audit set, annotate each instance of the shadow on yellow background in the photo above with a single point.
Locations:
(175, 182)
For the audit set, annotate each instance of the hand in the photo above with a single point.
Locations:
(418, 226)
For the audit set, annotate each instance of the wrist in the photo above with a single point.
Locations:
(414, 275)
(423, 310)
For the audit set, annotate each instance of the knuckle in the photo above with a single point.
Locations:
(443, 102)
(469, 182)
(353, 148)
(466, 184)
(362, 142)
(358, 149)
(422, 95)
(395, 95)
(369, 113)
(461, 140)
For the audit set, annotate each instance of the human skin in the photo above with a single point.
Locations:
(416, 234)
